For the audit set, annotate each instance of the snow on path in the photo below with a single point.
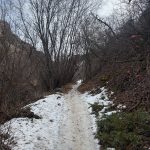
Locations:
(77, 131)
(65, 124)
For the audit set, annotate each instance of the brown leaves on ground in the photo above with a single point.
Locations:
(22, 113)
(129, 82)
(87, 86)
(97, 81)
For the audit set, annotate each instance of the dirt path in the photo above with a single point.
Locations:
(76, 129)
(65, 124)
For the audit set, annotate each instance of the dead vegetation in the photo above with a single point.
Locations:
(18, 113)
(94, 84)
(119, 58)
(2, 139)
(20, 81)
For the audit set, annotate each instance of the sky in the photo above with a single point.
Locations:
(107, 7)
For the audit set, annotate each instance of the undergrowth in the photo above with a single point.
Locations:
(125, 131)
(96, 108)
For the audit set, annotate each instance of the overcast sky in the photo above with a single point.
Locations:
(107, 7)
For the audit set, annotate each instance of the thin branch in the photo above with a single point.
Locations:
(105, 23)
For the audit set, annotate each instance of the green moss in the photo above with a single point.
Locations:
(122, 130)
(96, 108)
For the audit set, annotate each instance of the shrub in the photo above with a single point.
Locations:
(96, 108)
(124, 130)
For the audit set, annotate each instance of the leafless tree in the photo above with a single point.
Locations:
(18, 69)
(57, 25)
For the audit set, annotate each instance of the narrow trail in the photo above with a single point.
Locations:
(76, 129)
(65, 124)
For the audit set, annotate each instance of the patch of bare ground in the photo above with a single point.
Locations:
(91, 84)
(64, 89)
(22, 113)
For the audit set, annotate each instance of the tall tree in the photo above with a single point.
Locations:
(57, 25)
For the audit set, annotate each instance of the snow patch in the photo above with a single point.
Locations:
(102, 99)
(30, 134)
(120, 106)
(79, 82)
